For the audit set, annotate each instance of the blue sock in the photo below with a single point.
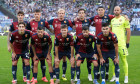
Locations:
(24, 69)
(72, 72)
(14, 71)
(43, 67)
(103, 71)
(54, 69)
(78, 72)
(57, 72)
(117, 71)
(35, 75)
(89, 67)
(95, 71)
(107, 65)
(98, 67)
(64, 67)
(51, 75)
(28, 71)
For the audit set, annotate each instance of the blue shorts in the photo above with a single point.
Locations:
(109, 54)
(23, 56)
(88, 56)
(61, 54)
(76, 48)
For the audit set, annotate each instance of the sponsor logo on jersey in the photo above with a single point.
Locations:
(109, 37)
(64, 21)
(105, 17)
(120, 20)
(41, 23)
(16, 36)
(36, 39)
(85, 20)
(33, 23)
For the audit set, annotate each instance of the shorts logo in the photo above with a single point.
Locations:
(26, 35)
(41, 23)
(45, 39)
(67, 39)
(89, 39)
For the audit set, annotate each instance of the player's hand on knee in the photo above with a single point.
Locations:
(35, 58)
(9, 48)
(95, 56)
(72, 59)
(77, 56)
(14, 56)
(102, 61)
(116, 60)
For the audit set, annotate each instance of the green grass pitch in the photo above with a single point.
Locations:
(133, 61)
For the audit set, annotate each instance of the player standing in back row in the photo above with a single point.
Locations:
(120, 26)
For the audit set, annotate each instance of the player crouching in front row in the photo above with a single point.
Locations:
(19, 44)
(107, 46)
(64, 46)
(85, 39)
(41, 45)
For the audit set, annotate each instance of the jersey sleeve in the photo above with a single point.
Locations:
(76, 40)
(56, 42)
(126, 24)
(72, 42)
(91, 19)
(31, 33)
(47, 25)
(11, 27)
(111, 16)
(51, 22)
(11, 38)
(49, 40)
(114, 38)
(70, 23)
(98, 41)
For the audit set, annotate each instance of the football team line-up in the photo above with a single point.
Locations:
(109, 41)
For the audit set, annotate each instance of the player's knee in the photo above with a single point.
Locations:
(78, 63)
(14, 62)
(35, 63)
(56, 64)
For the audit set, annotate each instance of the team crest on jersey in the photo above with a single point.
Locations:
(16, 36)
(67, 39)
(109, 37)
(41, 23)
(26, 35)
(89, 39)
(56, 21)
(64, 21)
(36, 39)
(105, 17)
(33, 23)
(77, 21)
(45, 39)
(120, 20)
(85, 20)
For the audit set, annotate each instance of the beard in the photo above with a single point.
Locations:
(117, 14)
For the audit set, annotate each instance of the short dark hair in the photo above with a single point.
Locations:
(85, 28)
(37, 11)
(82, 10)
(22, 23)
(105, 24)
(64, 26)
(40, 28)
(20, 12)
(100, 7)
